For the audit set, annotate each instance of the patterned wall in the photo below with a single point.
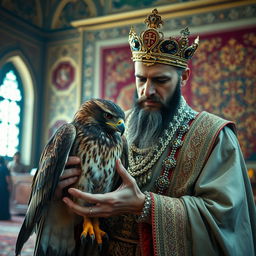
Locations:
(55, 14)
(93, 38)
(63, 90)
(222, 81)
(117, 75)
(29, 10)
(117, 6)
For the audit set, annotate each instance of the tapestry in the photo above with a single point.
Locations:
(222, 80)
(117, 83)
(63, 75)
(63, 89)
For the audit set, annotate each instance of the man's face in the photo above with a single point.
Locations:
(156, 84)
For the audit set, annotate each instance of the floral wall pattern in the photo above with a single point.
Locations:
(117, 75)
(62, 87)
(222, 82)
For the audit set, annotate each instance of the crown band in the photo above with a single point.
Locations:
(151, 47)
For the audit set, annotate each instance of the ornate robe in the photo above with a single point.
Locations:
(208, 208)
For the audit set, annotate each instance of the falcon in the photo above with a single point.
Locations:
(95, 136)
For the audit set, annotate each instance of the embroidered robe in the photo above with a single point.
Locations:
(209, 207)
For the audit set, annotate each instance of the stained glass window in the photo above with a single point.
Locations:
(10, 111)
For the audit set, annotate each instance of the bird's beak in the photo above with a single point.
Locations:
(119, 126)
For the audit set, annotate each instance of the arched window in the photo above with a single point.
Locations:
(11, 110)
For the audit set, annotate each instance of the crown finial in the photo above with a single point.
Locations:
(154, 20)
(151, 47)
(185, 32)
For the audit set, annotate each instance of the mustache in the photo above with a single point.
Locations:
(154, 98)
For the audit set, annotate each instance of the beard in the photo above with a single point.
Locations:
(146, 126)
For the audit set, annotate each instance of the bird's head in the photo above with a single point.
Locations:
(102, 112)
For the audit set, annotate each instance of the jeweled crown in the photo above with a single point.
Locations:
(151, 47)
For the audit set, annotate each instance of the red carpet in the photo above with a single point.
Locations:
(8, 234)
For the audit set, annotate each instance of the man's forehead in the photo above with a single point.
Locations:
(156, 70)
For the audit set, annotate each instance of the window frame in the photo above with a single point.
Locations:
(3, 71)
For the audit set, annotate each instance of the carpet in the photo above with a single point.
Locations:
(8, 235)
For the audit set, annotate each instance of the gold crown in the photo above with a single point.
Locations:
(151, 47)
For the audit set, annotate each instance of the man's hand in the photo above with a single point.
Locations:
(126, 199)
(69, 176)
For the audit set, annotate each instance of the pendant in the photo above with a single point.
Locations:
(138, 159)
(169, 162)
(162, 182)
(144, 179)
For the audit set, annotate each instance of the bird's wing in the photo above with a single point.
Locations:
(51, 165)
(117, 181)
(124, 156)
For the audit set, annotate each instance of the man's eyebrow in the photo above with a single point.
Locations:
(139, 76)
(154, 77)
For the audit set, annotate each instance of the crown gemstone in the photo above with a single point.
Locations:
(152, 47)
(189, 52)
(150, 38)
(135, 44)
(170, 47)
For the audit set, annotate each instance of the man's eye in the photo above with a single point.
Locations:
(108, 116)
(162, 80)
(141, 79)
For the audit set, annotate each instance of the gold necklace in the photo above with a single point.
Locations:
(137, 169)
(141, 161)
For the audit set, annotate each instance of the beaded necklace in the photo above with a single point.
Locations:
(142, 160)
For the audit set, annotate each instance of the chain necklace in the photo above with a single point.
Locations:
(169, 163)
(142, 160)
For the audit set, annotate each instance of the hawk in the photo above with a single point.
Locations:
(95, 135)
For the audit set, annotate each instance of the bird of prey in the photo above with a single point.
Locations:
(95, 135)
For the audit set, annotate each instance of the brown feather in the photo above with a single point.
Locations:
(98, 145)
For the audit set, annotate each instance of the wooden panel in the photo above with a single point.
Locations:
(20, 193)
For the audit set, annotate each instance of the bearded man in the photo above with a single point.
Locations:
(186, 190)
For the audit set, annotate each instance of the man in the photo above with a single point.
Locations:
(15, 166)
(200, 200)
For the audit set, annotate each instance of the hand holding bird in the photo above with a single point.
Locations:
(95, 137)
(127, 198)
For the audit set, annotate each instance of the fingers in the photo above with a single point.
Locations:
(63, 184)
(67, 182)
(76, 208)
(89, 198)
(68, 173)
(73, 160)
(90, 211)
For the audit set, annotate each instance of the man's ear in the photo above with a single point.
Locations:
(185, 76)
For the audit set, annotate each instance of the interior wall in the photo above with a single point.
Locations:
(222, 66)
(70, 65)
(63, 82)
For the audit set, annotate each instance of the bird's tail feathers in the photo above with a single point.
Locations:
(55, 236)
(24, 234)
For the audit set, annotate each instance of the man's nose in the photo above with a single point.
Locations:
(149, 89)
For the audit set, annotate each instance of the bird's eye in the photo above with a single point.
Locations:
(108, 116)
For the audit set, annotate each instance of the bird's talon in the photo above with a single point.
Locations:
(105, 237)
(92, 238)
